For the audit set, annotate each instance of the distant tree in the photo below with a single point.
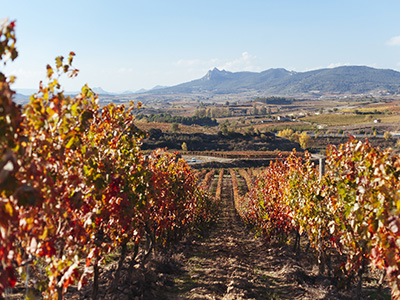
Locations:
(255, 109)
(304, 140)
(387, 135)
(224, 128)
(274, 100)
(174, 127)
(184, 146)
(200, 112)
(250, 130)
(287, 133)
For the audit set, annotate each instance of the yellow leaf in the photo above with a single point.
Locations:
(44, 235)
(9, 208)
(70, 143)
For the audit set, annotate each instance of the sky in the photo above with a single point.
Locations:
(130, 45)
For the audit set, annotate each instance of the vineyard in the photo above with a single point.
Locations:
(84, 212)
(76, 187)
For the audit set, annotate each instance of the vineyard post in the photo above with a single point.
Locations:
(321, 167)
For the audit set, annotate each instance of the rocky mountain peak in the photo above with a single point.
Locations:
(214, 74)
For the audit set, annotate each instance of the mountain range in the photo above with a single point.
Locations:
(24, 94)
(344, 80)
(339, 80)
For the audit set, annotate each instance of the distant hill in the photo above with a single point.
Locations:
(21, 99)
(157, 87)
(100, 91)
(340, 80)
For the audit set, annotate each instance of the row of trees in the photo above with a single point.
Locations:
(302, 138)
(274, 100)
(213, 112)
(168, 118)
(74, 185)
(224, 112)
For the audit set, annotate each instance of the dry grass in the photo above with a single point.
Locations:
(341, 119)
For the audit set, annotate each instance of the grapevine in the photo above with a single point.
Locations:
(219, 185)
(75, 185)
(352, 210)
(207, 180)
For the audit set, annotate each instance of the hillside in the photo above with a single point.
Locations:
(340, 80)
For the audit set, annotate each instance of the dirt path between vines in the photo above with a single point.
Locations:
(232, 264)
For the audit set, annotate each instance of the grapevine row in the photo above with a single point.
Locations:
(247, 177)
(353, 211)
(199, 174)
(76, 186)
(219, 185)
(205, 184)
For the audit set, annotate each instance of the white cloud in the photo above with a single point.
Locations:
(394, 41)
(246, 62)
